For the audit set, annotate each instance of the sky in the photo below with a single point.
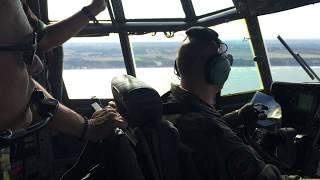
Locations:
(299, 23)
(59, 9)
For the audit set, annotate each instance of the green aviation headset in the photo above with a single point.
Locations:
(217, 67)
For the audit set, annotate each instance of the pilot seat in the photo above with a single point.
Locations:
(155, 140)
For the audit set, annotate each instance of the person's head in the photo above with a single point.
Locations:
(17, 64)
(201, 62)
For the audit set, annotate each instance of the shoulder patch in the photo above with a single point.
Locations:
(242, 164)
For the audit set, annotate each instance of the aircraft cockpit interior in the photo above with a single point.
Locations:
(127, 57)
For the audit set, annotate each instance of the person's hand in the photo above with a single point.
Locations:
(103, 122)
(97, 6)
(112, 104)
(250, 113)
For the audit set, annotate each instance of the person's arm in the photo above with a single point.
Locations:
(232, 119)
(243, 164)
(247, 115)
(57, 34)
(65, 120)
(100, 126)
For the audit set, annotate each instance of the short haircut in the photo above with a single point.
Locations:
(192, 56)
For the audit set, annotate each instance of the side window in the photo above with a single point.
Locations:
(90, 64)
(298, 27)
(244, 74)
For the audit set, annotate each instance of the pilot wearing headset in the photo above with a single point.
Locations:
(203, 67)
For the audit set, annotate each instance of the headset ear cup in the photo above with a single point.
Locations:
(217, 70)
(176, 70)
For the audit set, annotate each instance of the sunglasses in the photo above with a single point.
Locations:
(28, 49)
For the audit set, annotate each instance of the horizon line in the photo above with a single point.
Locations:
(69, 42)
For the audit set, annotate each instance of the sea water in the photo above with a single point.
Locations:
(86, 83)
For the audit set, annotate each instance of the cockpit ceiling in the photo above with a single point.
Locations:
(186, 11)
(261, 7)
(120, 15)
(142, 9)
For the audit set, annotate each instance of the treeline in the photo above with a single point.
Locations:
(109, 55)
(91, 64)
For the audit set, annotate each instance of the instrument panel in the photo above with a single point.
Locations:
(299, 103)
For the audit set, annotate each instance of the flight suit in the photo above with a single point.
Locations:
(218, 152)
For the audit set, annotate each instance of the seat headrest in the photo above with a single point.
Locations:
(139, 103)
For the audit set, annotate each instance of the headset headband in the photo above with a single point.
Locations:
(203, 33)
(207, 34)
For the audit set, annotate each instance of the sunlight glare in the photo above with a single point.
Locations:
(299, 23)
(62, 9)
(207, 6)
(148, 9)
